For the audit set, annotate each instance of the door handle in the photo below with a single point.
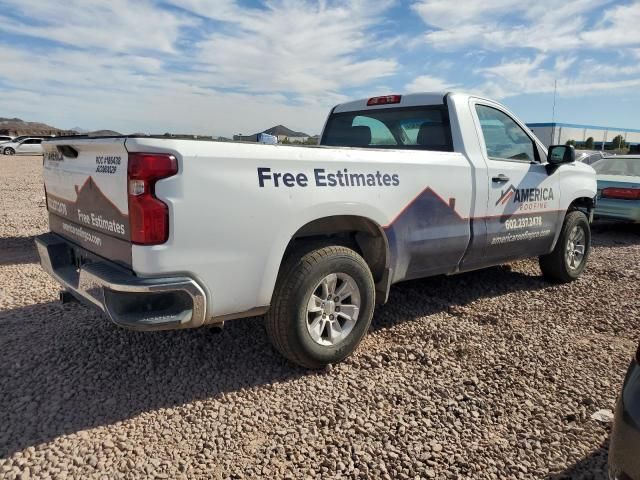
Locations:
(502, 178)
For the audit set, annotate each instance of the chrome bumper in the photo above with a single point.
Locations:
(129, 301)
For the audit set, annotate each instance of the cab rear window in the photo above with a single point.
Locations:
(422, 128)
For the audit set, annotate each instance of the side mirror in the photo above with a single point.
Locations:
(559, 154)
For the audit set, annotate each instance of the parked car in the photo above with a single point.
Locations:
(624, 447)
(6, 138)
(28, 146)
(589, 156)
(22, 137)
(618, 188)
(401, 187)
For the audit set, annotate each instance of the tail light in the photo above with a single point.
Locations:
(386, 100)
(621, 193)
(148, 216)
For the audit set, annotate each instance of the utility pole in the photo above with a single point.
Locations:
(553, 114)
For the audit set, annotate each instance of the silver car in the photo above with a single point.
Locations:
(27, 146)
(589, 156)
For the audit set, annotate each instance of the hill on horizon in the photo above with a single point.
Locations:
(282, 130)
(103, 133)
(17, 126)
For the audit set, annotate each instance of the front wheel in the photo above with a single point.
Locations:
(9, 151)
(322, 305)
(569, 257)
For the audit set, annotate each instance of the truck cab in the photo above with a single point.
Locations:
(506, 187)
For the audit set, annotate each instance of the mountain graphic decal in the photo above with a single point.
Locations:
(506, 195)
(92, 209)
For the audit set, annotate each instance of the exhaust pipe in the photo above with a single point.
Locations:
(216, 328)
(66, 297)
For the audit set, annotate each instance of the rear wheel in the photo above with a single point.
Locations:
(322, 305)
(9, 151)
(569, 257)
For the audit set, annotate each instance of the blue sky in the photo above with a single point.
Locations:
(229, 66)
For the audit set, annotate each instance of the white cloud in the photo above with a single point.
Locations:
(446, 14)
(127, 95)
(114, 25)
(530, 76)
(618, 28)
(221, 67)
(544, 25)
(522, 68)
(302, 47)
(206, 67)
(564, 35)
(428, 83)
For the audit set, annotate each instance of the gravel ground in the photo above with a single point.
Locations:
(492, 374)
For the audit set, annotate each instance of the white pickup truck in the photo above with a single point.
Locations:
(165, 234)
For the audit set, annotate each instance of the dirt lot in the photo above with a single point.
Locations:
(493, 374)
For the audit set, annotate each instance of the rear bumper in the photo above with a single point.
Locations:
(129, 301)
(625, 210)
(624, 449)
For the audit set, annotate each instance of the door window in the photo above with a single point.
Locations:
(503, 137)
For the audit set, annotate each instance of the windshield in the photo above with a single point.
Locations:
(423, 128)
(628, 167)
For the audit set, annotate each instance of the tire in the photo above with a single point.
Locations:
(304, 324)
(565, 263)
(9, 151)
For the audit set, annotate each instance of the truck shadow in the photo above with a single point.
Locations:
(615, 234)
(428, 296)
(65, 368)
(592, 467)
(17, 250)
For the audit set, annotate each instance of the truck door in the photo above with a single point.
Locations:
(524, 199)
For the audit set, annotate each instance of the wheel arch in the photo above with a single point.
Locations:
(362, 234)
(582, 203)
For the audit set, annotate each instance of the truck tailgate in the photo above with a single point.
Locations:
(86, 188)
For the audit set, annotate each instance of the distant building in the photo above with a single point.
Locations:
(286, 134)
(267, 139)
(282, 133)
(561, 133)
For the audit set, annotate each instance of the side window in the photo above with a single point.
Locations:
(504, 138)
(30, 141)
(380, 134)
